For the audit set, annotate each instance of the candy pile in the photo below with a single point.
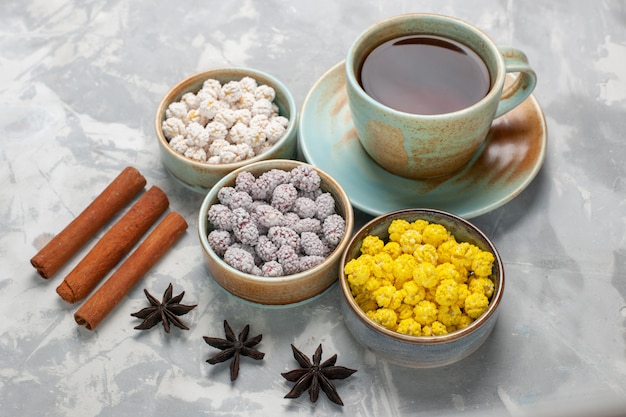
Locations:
(226, 123)
(280, 223)
(422, 282)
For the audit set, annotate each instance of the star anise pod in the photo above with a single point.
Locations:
(166, 311)
(234, 347)
(313, 376)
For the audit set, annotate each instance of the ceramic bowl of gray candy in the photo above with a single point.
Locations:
(273, 232)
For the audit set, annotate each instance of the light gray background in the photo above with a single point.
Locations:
(79, 86)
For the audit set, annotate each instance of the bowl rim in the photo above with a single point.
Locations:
(335, 255)
(182, 86)
(421, 340)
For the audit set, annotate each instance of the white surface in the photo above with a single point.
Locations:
(79, 86)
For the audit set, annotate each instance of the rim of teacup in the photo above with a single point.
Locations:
(421, 340)
(496, 84)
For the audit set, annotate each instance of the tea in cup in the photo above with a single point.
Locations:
(424, 89)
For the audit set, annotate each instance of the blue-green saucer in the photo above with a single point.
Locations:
(502, 168)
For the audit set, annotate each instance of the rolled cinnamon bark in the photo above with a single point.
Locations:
(111, 200)
(97, 306)
(112, 247)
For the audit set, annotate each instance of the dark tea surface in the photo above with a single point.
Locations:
(425, 75)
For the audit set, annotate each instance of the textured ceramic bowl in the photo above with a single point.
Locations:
(278, 291)
(421, 351)
(199, 176)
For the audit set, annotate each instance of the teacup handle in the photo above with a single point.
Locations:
(524, 84)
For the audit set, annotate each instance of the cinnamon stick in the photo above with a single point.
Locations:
(111, 200)
(112, 247)
(97, 306)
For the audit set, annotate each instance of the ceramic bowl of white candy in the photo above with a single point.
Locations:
(217, 121)
(273, 232)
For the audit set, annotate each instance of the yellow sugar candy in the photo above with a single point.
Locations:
(422, 282)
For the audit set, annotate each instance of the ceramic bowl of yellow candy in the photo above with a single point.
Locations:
(421, 287)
